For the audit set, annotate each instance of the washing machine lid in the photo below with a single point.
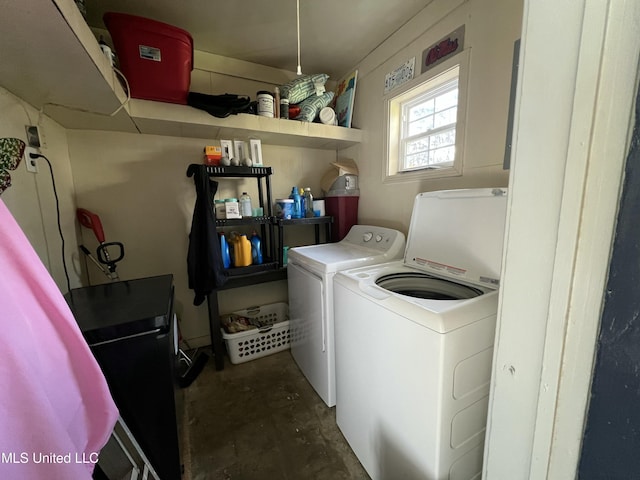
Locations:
(331, 257)
(363, 245)
(458, 234)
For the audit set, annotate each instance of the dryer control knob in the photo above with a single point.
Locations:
(367, 236)
(378, 238)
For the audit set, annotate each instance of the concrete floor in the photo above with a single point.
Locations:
(262, 420)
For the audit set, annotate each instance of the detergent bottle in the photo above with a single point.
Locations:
(256, 248)
(242, 251)
(297, 203)
(224, 247)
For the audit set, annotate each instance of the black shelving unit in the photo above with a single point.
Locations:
(265, 222)
(272, 267)
(268, 270)
(315, 221)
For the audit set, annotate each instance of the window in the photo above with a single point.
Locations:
(425, 125)
(428, 132)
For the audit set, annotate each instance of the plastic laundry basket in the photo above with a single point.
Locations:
(272, 338)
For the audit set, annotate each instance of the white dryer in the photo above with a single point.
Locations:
(310, 272)
(414, 342)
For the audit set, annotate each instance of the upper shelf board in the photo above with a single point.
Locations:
(184, 121)
(51, 60)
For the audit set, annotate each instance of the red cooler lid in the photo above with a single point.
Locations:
(122, 20)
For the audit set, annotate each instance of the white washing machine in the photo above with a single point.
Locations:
(414, 342)
(310, 272)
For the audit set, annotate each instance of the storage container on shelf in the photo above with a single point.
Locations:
(271, 338)
(156, 58)
(232, 208)
(284, 208)
(319, 208)
(220, 210)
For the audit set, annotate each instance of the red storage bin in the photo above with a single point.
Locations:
(344, 210)
(156, 58)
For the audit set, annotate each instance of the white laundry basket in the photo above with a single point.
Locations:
(273, 337)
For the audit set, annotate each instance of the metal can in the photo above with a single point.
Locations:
(265, 103)
(284, 108)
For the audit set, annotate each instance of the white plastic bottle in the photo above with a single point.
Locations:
(245, 205)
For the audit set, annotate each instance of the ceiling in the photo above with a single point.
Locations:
(335, 34)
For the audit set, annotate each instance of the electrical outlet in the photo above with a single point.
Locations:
(31, 163)
(33, 136)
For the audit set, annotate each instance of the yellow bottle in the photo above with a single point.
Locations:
(242, 251)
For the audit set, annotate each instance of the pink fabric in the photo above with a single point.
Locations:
(56, 412)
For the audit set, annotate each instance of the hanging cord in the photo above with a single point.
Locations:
(33, 156)
(299, 70)
(128, 91)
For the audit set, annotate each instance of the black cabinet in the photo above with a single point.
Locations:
(130, 329)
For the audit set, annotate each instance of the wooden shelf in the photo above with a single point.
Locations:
(305, 221)
(52, 60)
(184, 121)
(264, 276)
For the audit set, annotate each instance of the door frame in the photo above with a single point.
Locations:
(571, 134)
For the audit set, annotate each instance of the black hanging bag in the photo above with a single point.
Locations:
(220, 106)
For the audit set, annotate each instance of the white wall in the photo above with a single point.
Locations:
(492, 27)
(31, 200)
(138, 186)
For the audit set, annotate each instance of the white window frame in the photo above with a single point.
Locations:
(430, 80)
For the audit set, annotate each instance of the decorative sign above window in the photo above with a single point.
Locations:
(444, 48)
(400, 75)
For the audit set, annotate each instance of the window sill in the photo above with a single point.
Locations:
(418, 175)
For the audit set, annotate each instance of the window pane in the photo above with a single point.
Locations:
(420, 126)
(443, 139)
(418, 146)
(421, 110)
(417, 160)
(447, 100)
(442, 155)
(430, 150)
(446, 117)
